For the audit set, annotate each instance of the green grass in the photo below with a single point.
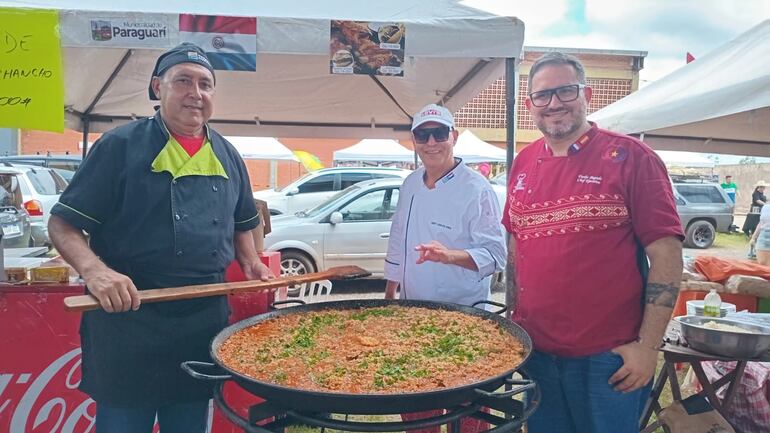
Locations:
(731, 240)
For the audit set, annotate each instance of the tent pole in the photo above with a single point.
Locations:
(511, 80)
(86, 116)
(86, 123)
(273, 174)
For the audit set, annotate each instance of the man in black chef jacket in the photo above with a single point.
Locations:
(166, 202)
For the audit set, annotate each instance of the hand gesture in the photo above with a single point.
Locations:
(433, 251)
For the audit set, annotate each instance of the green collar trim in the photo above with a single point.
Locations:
(175, 160)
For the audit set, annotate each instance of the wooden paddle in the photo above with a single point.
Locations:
(89, 302)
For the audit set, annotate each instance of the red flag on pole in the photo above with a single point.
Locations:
(690, 57)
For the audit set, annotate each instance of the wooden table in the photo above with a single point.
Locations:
(673, 353)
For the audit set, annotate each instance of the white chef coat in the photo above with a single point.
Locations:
(461, 212)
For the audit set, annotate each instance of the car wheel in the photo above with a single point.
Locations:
(700, 234)
(295, 263)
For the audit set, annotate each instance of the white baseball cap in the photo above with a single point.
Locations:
(433, 113)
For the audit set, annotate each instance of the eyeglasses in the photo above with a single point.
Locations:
(564, 93)
(440, 134)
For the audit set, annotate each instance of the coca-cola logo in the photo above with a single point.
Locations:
(42, 406)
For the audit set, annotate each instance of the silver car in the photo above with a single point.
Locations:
(315, 187)
(40, 189)
(14, 220)
(704, 209)
(350, 228)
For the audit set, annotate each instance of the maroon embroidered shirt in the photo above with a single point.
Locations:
(578, 222)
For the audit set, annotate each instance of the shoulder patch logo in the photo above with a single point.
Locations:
(615, 154)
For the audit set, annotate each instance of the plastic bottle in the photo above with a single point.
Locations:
(712, 304)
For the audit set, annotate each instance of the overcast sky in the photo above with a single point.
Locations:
(666, 29)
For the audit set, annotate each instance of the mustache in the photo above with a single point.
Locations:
(557, 111)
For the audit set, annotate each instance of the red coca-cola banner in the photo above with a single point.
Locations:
(40, 361)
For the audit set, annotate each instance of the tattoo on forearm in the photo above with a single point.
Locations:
(662, 295)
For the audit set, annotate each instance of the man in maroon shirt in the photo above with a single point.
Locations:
(586, 209)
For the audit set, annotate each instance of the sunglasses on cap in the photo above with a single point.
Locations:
(440, 134)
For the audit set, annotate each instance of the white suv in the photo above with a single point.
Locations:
(313, 188)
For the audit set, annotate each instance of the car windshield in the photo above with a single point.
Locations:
(293, 184)
(66, 174)
(327, 204)
(701, 194)
(46, 182)
(10, 192)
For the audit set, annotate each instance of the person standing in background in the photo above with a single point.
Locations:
(730, 188)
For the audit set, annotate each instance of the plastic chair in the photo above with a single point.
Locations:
(316, 291)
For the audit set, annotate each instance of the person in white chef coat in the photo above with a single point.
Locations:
(446, 239)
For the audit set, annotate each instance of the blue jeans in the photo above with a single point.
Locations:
(576, 397)
(187, 417)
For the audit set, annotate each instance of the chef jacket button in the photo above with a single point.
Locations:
(214, 187)
(529, 191)
(539, 161)
(179, 253)
(215, 221)
(177, 217)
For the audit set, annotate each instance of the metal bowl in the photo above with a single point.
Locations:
(738, 345)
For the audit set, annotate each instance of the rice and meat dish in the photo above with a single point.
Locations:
(725, 327)
(382, 350)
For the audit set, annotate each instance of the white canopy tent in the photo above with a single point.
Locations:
(720, 103)
(673, 158)
(267, 148)
(472, 149)
(375, 150)
(452, 52)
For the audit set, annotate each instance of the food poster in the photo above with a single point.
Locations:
(367, 48)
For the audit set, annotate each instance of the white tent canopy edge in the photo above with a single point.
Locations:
(375, 150)
(472, 149)
(267, 148)
(452, 53)
(720, 103)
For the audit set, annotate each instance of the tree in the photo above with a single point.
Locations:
(748, 160)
